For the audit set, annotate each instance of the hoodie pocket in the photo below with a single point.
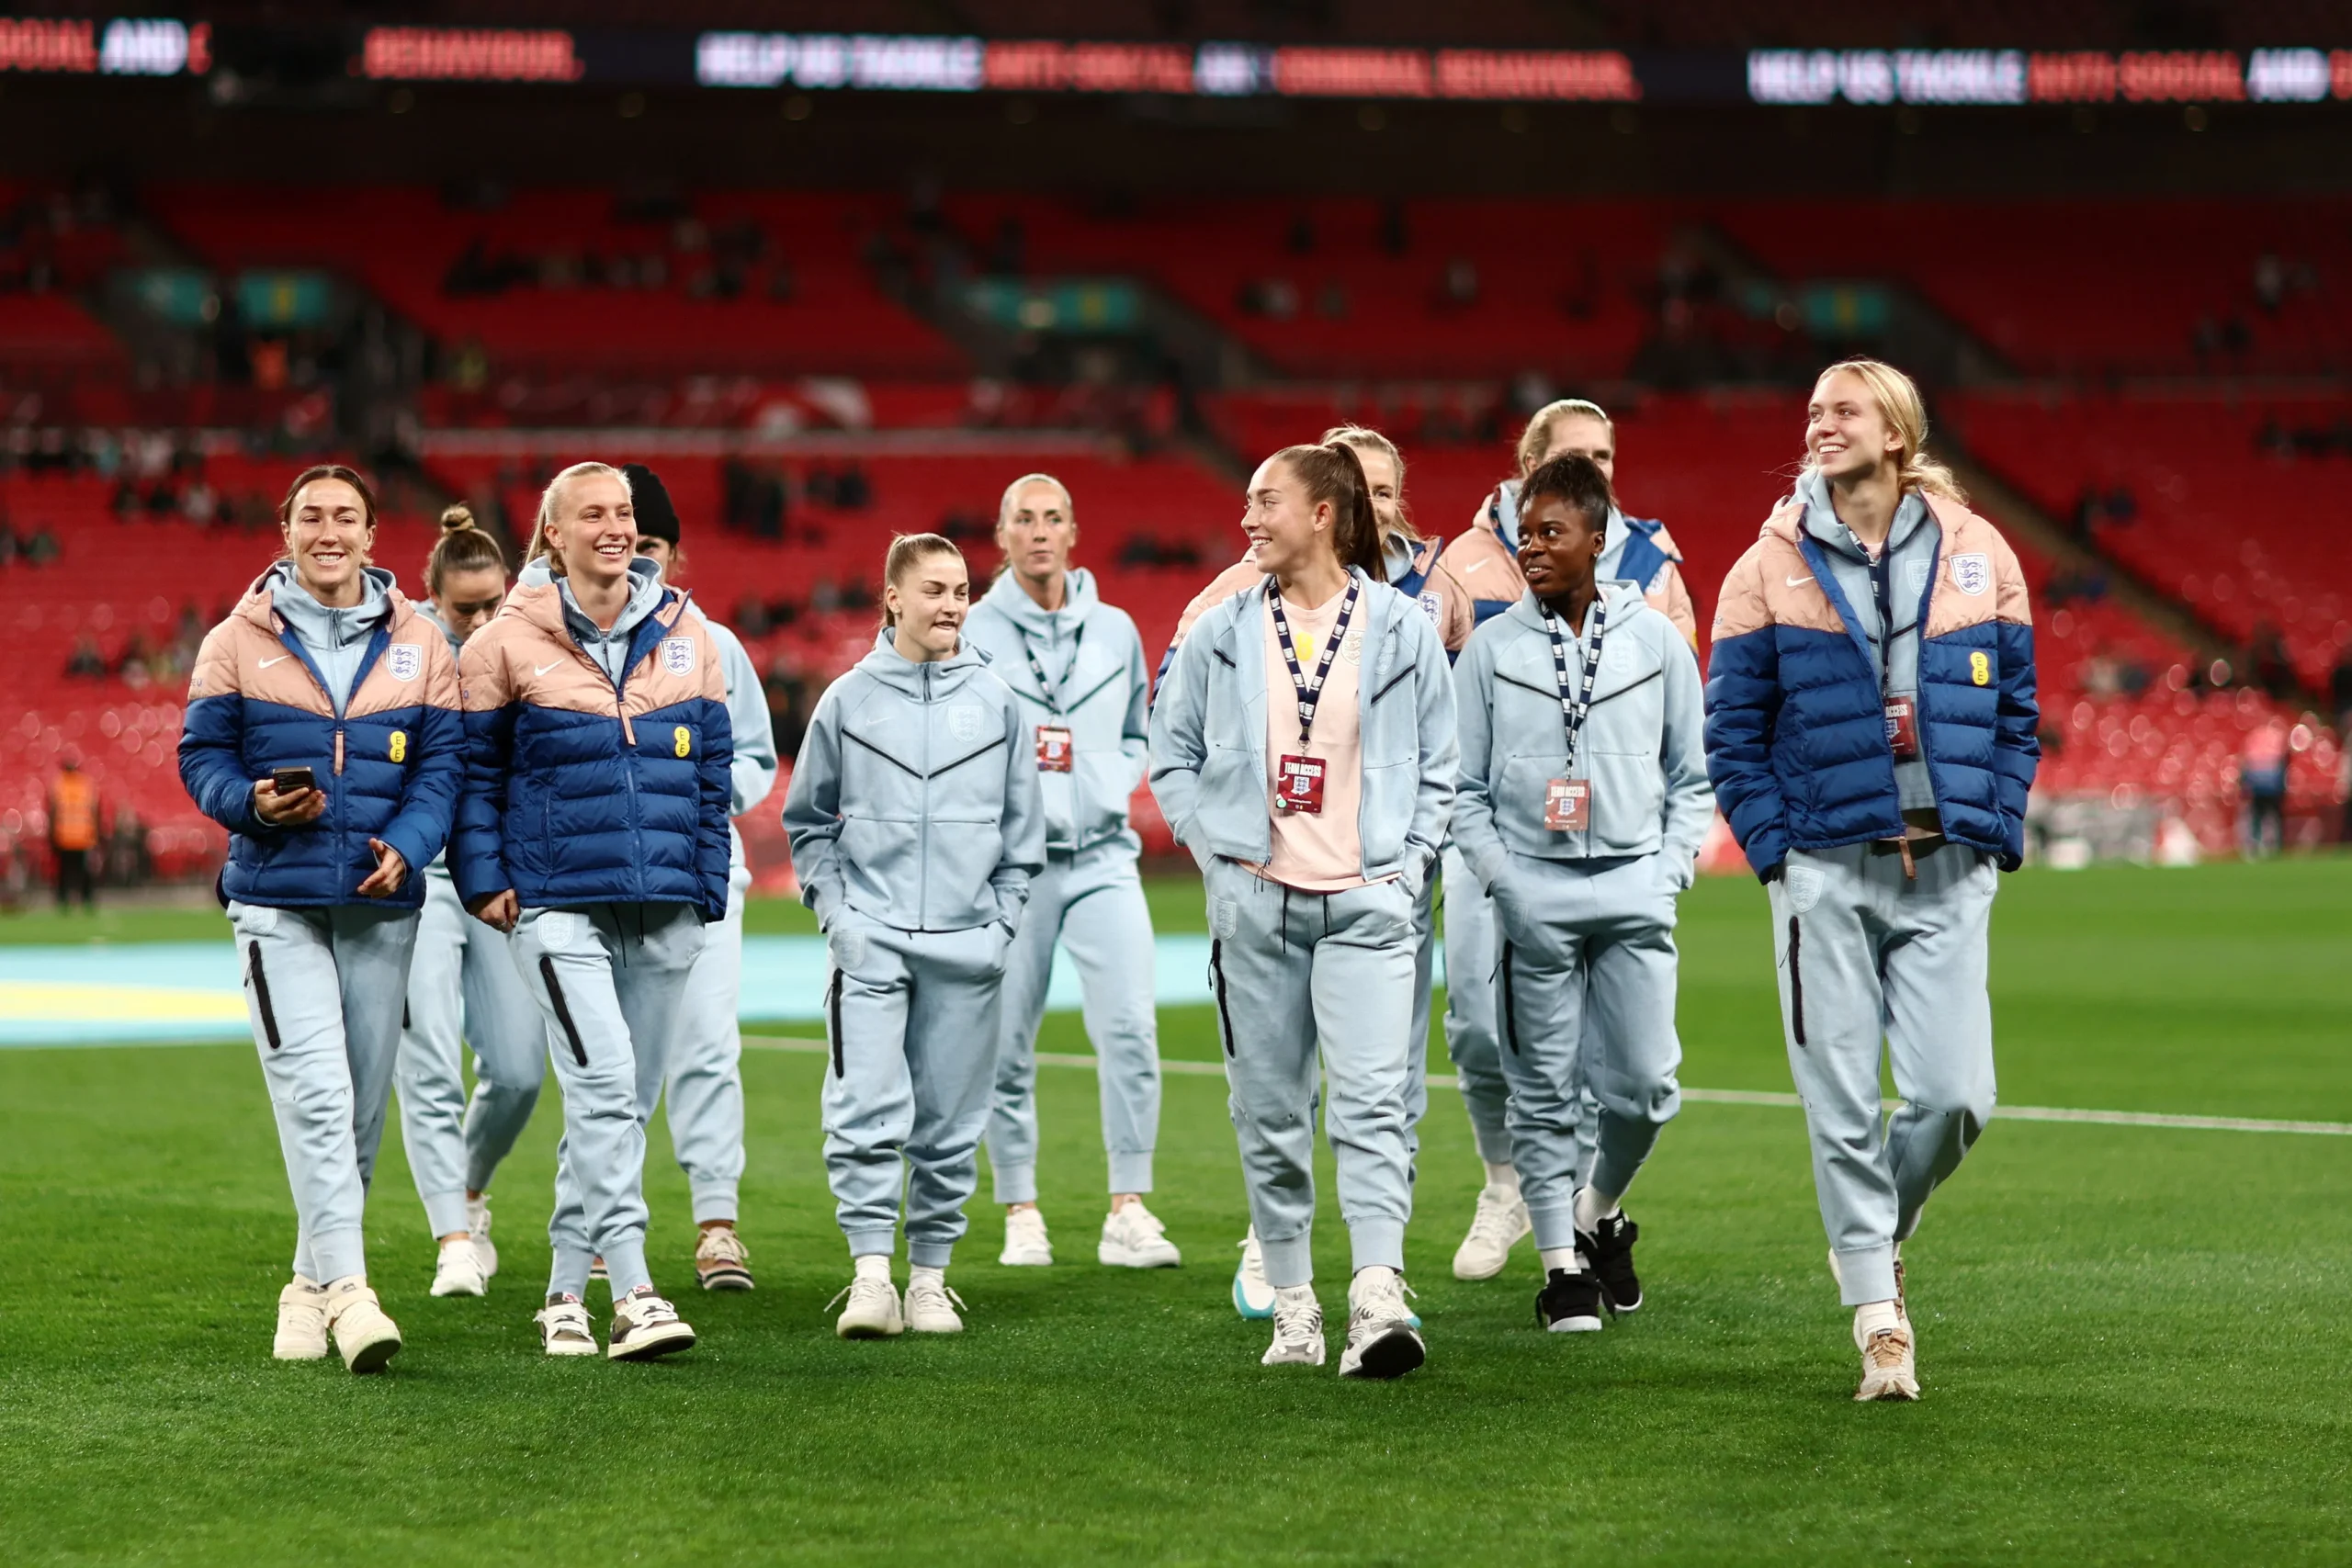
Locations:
(257, 976)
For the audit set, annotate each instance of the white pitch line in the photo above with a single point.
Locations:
(1759, 1097)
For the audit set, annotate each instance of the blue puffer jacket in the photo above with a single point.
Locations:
(388, 750)
(581, 789)
(1796, 732)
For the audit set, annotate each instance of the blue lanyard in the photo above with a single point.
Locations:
(1310, 688)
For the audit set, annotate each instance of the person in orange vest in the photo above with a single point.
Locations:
(74, 830)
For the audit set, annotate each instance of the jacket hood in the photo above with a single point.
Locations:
(545, 600)
(1621, 597)
(1010, 600)
(898, 672)
(1819, 519)
(316, 623)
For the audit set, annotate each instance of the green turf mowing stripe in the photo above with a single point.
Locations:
(1756, 1097)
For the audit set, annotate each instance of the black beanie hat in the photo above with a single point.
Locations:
(656, 518)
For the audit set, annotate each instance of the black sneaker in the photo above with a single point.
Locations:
(1569, 1302)
(1611, 1251)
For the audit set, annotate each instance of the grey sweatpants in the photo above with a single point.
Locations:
(608, 979)
(1471, 1038)
(1290, 969)
(1866, 955)
(1587, 1003)
(323, 988)
(1093, 905)
(706, 1066)
(463, 990)
(912, 1020)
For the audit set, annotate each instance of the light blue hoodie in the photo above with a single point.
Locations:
(336, 640)
(608, 649)
(1208, 737)
(914, 799)
(1640, 746)
(1092, 658)
(1912, 541)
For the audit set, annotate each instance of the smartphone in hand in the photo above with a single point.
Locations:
(288, 781)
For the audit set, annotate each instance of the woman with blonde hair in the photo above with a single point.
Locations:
(1303, 749)
(463, 991)
(594, 828)
(323, 733)
(916, 823)
(1871, 733)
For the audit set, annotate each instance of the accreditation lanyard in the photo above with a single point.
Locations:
(1299, 777)
(1902, 713)
(1057, 746)
(1568, 800)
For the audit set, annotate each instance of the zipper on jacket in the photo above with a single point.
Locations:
(338, 749)
(562, 1007)
(260, 978)
(923, 857)
(1216, 972)
(1796, 984)
(833, 1016)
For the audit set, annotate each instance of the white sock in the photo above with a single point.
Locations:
(874, 1266)
(917, 1274)
(1872, 1316)
(1560, 1258)
(1503, 1177)
(1593, 1206)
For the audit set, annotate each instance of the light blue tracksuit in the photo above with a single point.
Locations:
(463, 990)
(706, 1084)
(1291, 967)
(916, 824)
(1473, 1040)
(1089, 898)
(1584, 969)
(329, 1008)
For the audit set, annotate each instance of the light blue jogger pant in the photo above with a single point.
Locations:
(463, 990)
(1092, 904)
(1587, 1005)
(324, 990)
(1868, 956)
(705, 1085)
(913, 1020)
(1471, 1041)
(1289, 969)
(608, 979)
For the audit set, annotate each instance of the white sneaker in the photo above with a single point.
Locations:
(1132, 1237)
(301, 1321)
(1298, 1329)
(1381, 1341)
(1496, 1226)
(563, 1327)
(1026, 1244)
(873, 1309)
(478, 1225)
(1890, 1369)
(931, 1305)
(1252, 1297)
(644, 1326)
(457, 1272)
(365, 1335)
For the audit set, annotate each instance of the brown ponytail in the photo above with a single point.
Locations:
(461, 548)
(1334, 473)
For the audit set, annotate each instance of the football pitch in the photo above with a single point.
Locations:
(2135, 1341)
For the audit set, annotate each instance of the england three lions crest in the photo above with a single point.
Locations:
(678, 655)
(1972, 573)
(405, 660)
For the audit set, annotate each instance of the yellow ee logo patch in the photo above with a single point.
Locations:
(1980, 669)
(685, 738)
(400, 746)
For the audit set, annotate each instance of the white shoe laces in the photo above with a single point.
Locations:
(1496, 1219)
(1296, 1322)
(721, 1245)
(932, 1294)
(1382, 1304)
(863, 1291)
(564, 1320)
(644, 1308)
(1140, 1224)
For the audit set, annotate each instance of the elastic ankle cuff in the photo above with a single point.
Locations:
(1131, 1172)
(929, 1253)
(1376, 1244)
(1014, 1183)
(446, 1213)
(713, 1200)
(870, 1244)
(1866, 1274)
(1556, 1226)
(1290, 1262)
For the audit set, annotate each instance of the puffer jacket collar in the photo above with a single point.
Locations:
(539, 601)
(258, 608)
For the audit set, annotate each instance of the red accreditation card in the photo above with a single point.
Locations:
(1568, 806)
(1903, 727)
(1056, 749)
(1298, 785)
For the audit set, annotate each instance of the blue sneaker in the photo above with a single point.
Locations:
(1252, 1297)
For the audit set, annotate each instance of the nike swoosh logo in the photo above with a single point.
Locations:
(543, 669)
(265, 663)
(1799, 581)
(1476, 566)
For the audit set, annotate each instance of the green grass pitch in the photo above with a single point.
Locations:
(2136, 1342)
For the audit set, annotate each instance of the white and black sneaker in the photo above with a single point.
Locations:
(1569, 1302)
(563, 1327)
(1381, 1339)
(644, 1326)
(1298, 1329)
(1609, 1247)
